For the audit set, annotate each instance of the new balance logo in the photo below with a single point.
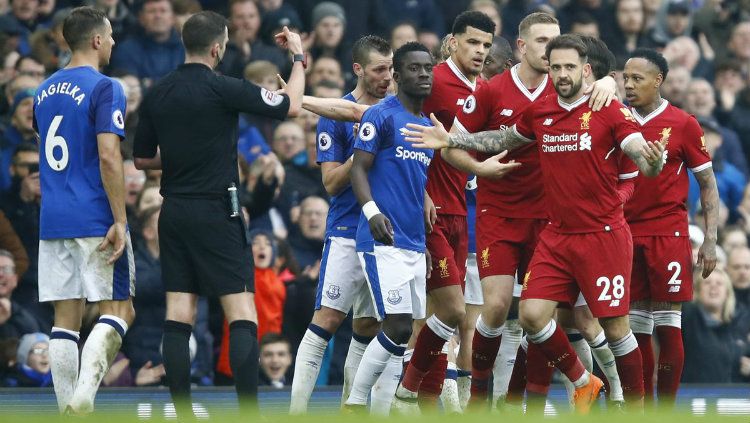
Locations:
(547, 122)
(674, 288)
(614, 303)
(460, 102)
(506, 112)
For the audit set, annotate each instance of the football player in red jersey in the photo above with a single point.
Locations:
(579, 159)
(511, 210)
(657, 215)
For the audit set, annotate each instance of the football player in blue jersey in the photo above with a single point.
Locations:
(342, 285)
(387, 173)
(84, 250)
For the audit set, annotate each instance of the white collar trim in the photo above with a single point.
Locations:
(521, 87)
(460, 75)
(571, 106)
(644, 120)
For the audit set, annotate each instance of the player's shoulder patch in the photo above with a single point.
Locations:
(324, 141)
(270, 97)
(470, 104)
(367, 131)
(118, 120)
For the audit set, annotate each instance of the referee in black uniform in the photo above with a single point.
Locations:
(188, 128)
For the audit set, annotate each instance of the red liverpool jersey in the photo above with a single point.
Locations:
(580, 161)
(497, 105)
(445, 183)
(658, 206)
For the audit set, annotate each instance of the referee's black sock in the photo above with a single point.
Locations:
(176, 353)
(243, 358)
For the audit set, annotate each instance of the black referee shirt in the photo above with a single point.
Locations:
(192, 116)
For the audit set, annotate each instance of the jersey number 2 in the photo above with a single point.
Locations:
(53, 140)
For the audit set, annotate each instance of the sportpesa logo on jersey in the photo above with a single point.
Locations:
(324, 141)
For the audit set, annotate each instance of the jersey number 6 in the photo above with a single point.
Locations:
(51, 141)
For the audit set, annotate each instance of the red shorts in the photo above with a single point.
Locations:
(448, 245)
(597, 264)
(662, 269)
(506, 244)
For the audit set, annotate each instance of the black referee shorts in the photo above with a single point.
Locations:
(203, 250)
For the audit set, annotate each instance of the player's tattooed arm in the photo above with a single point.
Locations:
(647, 155)
(380, 226)
(436, 137)
(334, 108)
(710, 206)
(492, 168)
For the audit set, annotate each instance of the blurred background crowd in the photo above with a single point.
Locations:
(707, 44)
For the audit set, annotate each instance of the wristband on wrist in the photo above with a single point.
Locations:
(370, 209)
(300, 58)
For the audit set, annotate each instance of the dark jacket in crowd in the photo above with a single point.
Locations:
(20, 323)
(140, 55)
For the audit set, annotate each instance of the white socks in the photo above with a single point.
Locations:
(385, 387)
(307, 367)
(506, 358)
(100, 349)
(606, 361)
(374, 361)
(63, 355)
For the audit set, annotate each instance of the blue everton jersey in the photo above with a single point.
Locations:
(70, 109)
(336, 144)
(398, 176)
(471, 211)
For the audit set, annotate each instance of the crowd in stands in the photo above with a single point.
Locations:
(707, 43)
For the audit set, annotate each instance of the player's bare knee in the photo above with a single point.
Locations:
(641, 305)
(452, 314)
(366, 326)
(615, 328)
(328, 319)
(397, 328)
(666, 306)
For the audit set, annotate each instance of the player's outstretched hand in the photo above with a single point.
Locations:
(430, 214)
(707, 257)
(289, 40)
(116, 239)
(602, 93)
(494, 168)
(432, 137)
(381, 229)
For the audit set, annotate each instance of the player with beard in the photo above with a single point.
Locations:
(389, 173)
(342, 283)
(662, 260)
(579, 160)
(510, 210)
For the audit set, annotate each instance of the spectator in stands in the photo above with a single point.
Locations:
(21, 206)
(402, 33)
(302, 178)
(700, 101)
(8, 348)
(674, 88)
(325, 68)
(627, 33)
(183, 10)
(733, 237)
(19, 130)
(684, 51)
(424, 13)
(730, 180)
(134, 180)
(245, 43)
(120, 17)
(585, 24)
(262, 180)
(491, 9)
(134, 95)
(738, 268)
(428, 39)
(714, 330)
(595, 8)
(32, 362)
(23, 15)
(254, 129)
(30, 66)
(307, 239)
(739, 45)
(275, 361)
(728, 82)
(155, 49)
(677, 21)
(15, 320)
(148, 197)
(10, 242)
(13, 87)
(328, 24)
(48, 44)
